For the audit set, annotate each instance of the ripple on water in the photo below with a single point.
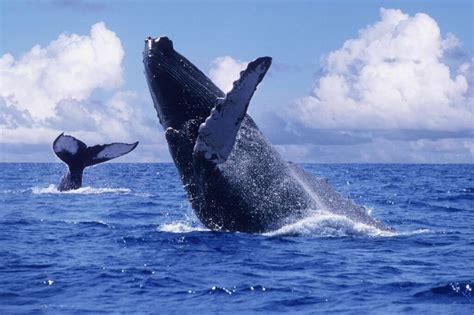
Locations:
(462, 291)
(120, 250)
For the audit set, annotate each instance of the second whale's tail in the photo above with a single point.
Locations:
(77, 155)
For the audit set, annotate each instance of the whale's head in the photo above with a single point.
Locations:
(181, 92)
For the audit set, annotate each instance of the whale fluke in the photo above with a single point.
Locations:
(68, 149)
(218, 133)
(77, 155)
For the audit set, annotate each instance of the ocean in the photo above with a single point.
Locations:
(129, 243)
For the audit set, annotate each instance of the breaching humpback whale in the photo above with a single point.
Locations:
(77, 155)
(234, 178)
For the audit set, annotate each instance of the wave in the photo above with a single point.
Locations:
(318, 224)
(98, 223)
(326, 224)
(52, 189)
(452, 289)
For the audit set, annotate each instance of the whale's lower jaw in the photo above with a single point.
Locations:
(180, 91)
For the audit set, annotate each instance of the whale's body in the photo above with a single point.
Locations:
(234, 178)
(77, 156)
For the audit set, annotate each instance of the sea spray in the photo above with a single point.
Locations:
(52, 189)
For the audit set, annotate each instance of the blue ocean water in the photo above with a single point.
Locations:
(128, 242)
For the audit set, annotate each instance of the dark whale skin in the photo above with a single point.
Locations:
(255, 190)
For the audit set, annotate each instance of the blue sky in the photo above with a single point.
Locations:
(332, 94)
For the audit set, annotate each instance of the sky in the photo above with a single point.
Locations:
(351, 81)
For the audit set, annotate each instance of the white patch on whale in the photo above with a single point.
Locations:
(217, 134)
(114, 150)
(66, 143)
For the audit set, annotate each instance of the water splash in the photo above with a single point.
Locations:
(181, 227)
(322, 223)
(311, 194)
(326, 224)
(52, 189)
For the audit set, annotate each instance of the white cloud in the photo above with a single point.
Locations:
(450, 42)
(70, 67)
(448, 150)
(48, 90)
(385, 96)
(390, 77)
(225, 70)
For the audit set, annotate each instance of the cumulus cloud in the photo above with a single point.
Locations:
(225, 70)
(391, 76)
(398, 92)
(381, 150)
(70, 67)
(48, 90)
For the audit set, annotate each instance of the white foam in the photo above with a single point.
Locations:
(180, 227)
(415, 232)
(326, 224)
(99, 222)
(12, 191)
(52, 189)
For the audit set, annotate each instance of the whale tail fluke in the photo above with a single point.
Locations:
(218, 133)
(105, 152)
(77, 155)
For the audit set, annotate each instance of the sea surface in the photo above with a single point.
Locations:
(129, 243)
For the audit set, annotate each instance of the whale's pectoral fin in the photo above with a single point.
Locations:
(105, 152)
(67, 148)
(218, 133)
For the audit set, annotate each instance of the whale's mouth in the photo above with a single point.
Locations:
(180, 91)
